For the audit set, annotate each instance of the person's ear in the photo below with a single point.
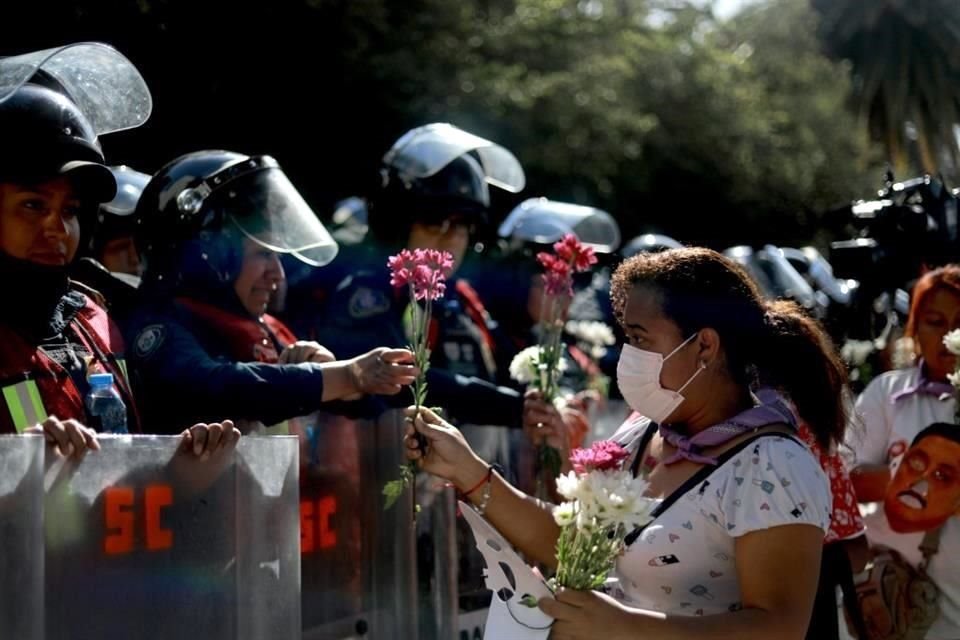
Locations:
(708, 345)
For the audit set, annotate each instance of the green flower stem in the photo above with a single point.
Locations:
(586, 556)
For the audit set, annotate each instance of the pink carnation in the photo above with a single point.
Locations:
(603, 455)
(571, 251)
(424, 270)
(557, 278)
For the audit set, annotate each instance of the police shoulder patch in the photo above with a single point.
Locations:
(367, 302)
(149, 340)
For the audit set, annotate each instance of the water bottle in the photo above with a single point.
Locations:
(105, 407)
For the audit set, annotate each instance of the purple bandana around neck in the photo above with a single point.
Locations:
(925, 387)
(773, 409)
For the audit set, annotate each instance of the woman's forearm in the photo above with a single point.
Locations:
(525, 522)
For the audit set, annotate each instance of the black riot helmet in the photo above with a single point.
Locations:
(55, 103)
(45, 135)
(435, 172)
(195, 212)
(116, 219)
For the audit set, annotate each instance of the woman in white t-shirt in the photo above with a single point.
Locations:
(893, 409)
(737, 553)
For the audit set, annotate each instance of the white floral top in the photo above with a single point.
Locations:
(683, 562)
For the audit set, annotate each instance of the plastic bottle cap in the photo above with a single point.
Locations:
(101, 379)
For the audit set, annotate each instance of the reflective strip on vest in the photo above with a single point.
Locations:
(279, 429)
(123, 369)
(25, 405)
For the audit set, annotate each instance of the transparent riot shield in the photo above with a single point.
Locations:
(21, 531)
(357, 559)
(143, 541)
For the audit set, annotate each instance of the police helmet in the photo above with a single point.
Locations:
(439, 170)
(216, 198)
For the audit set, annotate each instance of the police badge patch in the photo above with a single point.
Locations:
(149, 340)
(366, 303)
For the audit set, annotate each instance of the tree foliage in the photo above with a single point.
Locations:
(715, 132)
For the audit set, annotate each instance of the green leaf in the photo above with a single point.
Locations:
(392, 492)
(528, 601)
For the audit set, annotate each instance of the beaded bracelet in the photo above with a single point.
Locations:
(487, 490)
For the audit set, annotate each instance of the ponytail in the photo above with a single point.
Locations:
(798, 357)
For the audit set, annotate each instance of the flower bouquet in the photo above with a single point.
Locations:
(424, 273)
(604, 503)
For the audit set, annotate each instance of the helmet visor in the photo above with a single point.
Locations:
(101, 81)
(269, 210)
(424, 151)
(545, 221)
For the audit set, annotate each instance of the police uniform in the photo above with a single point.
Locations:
(197, 353)
(466, 375)
(47, 376)
(196, 362)
(53, 333)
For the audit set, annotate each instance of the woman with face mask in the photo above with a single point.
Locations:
(713, 373)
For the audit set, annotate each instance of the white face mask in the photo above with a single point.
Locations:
(638, 376)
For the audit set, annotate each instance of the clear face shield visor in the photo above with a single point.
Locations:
(543, 221)
(422, 152)
(258, 198)
(101, 81)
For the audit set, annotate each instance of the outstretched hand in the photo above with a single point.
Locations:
(383, 371)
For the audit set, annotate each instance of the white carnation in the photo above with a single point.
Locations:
(525, 365)
(565, 514)
(856, 352)
(613, 498)
(569, 486)
(952, 341)
(596, 333)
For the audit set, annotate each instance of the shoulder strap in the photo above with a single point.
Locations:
(837, 562)
(702, 473)
(644, 441)
(930, 545)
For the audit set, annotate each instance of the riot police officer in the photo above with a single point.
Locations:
(110, 261)
(52, 178)
(433, 194)
(213, 225)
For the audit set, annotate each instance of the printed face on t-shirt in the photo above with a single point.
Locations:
(925, 490)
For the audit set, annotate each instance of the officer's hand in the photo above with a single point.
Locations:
(383, 371)
(448, 454)
(207, 440)
(305, 351)
(68, 437)
(543, 423)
